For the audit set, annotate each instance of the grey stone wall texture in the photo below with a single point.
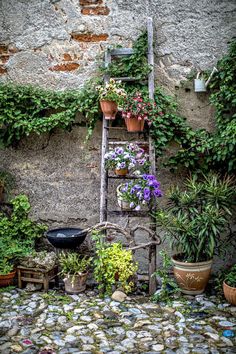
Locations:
(56, 44)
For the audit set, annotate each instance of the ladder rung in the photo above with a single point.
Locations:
(128, 142)
(121, 51)
(140, 213)
(124, 177)
(128, 79)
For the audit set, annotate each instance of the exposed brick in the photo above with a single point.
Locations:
(89, 37)
(4, 58)
(3, 48)
(2, 70)
(65, 67)
(89, 2)
(98, 10)
(67, 57)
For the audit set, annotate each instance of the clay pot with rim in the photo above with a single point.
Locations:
(6, 280)
(192, 278)
(229, 293)
(75, 284)
(109, 109)
(121, 172)
(133, 124)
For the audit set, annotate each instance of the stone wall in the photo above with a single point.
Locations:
(57, 44)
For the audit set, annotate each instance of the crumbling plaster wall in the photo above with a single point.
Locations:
(57, 44)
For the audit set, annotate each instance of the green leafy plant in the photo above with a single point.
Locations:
(17, 233)
(168, 284)
(113, 265)
(230, 278)
(73, 264)
(196, 218)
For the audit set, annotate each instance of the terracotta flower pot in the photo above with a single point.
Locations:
(229, 293)
(109, 109)
(134, 125)
(192, 278)
(121, 172)
(76, 284)
(6, 279)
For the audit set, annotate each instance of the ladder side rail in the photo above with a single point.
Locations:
(104, 173)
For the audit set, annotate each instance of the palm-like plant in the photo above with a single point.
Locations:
(196, 218)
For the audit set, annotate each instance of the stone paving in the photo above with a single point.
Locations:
(49, 323)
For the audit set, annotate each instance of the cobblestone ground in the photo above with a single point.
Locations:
(30, 323)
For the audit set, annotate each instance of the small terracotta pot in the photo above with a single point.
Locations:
(76, 284)
(121, 172)
(134, 125)
(109, 109)
(229, 293)
(6, 280)
(192, 278)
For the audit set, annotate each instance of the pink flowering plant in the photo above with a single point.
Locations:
(130, 157)
(112, 91)
(142, 107)
(143, 191)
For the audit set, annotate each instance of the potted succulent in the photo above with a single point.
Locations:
(136, 110)
(111, 95)
(17, 237)
(229, 286)
(125, 159)
(194, 222)
(139, 193)
(114, 266)
(74, 268)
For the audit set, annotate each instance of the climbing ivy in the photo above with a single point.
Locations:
(28, 109)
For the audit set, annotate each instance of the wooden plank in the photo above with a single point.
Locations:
(152, 254)
(124, 177)
(103, 188)
(121, 51)
(128, 142)
(128, 79)
(131, 213)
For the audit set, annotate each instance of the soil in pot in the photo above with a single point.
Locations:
(75, 284)
(192, 278)
(229, 293)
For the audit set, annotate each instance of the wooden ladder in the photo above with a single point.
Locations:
(106, 142)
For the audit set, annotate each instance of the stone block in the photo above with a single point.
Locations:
(65, 67)
(97, 11)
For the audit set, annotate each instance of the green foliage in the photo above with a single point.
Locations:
(17, 233)
(73, 264)
(27, 109)
(7, 181)
(196, 217)
(230, 278)
(134, 65)
(168, 284)
(113, 265)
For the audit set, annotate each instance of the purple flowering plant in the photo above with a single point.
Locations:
(142, 191)
(130, 157)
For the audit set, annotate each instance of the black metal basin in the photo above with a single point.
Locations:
(67, 237)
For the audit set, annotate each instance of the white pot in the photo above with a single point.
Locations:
(123, 204)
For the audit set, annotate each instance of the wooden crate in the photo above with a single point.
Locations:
(39, 276)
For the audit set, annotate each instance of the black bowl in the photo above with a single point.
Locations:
(67, 237)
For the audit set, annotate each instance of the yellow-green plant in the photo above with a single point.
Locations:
(113, 265)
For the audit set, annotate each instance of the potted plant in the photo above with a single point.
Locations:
(74, 268)
(114, 266)
(111, 95)
(125, 159)
(194, 222)
(136, 110)
(17, 237)
(136, 194)
(229, 286)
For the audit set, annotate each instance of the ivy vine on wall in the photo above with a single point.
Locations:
(26, 109)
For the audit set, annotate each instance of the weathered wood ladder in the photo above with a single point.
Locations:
(155, 240)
